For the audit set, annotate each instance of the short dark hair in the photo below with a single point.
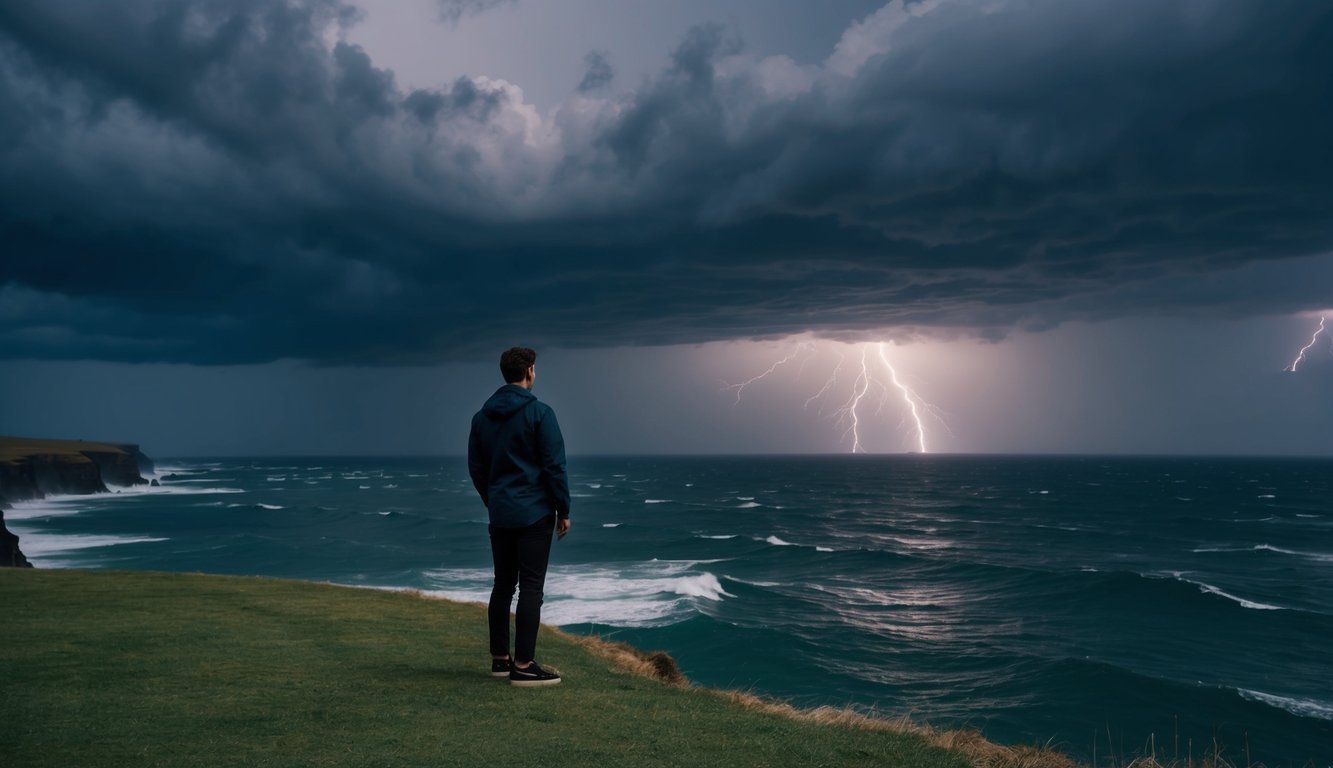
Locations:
(515, 362)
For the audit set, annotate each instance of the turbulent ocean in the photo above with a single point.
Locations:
(1107, 605)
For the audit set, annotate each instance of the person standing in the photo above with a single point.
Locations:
(516, 458)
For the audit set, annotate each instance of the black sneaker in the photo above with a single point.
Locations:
(500, 667)
(532, 675)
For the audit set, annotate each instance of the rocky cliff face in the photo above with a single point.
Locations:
(33, 469)
(10, 554)
(35, 477)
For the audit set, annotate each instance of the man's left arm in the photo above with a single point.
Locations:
(552, 445)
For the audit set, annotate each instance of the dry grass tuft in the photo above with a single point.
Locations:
(657, 665)
(979, 751)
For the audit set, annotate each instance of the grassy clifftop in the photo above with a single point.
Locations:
(114, 669)
(14, 449)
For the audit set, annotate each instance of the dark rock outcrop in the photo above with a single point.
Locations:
(32, 469)
(10, 554)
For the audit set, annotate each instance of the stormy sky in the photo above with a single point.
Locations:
(246, 227)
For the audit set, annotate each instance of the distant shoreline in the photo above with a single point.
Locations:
(932, 456)
(33, 468)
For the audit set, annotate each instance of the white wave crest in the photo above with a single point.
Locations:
(270, 506)
(1211, 590)
(749, 505)
(1317, 556)
(657, 501)
(46, 550)
(752, 583)
(721, 537)
(610, 525)
(775, 541)
(656, 593)
(1303, 707)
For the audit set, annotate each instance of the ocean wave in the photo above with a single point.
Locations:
(657, 501)
(778, 542)
(51, 506)
(656, 593)
(160, 471)
(40, 548)
(718, 537)
(1317, 556)
(761, 584)
(1212, 590)
(169, 488)
(610, 525)
(1303, 707)
(269, 506)
(749, 505)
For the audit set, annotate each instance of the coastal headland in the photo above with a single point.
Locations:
(33, 468)
(109, 668)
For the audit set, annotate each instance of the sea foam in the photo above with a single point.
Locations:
(1303, 707)
(655, 593)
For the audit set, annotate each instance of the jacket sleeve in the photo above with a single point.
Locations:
(478, 465)
(551, 444)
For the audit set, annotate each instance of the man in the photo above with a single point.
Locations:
(516, 457)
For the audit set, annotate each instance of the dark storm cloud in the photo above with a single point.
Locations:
(226, 182)
(454, 10)
(598, 75)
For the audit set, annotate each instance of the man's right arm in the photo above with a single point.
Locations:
(478, 465)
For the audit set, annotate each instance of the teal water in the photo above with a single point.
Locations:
(1038, 599)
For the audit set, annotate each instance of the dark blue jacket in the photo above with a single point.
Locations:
(516, 457)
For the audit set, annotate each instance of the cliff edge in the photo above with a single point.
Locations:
(32, 468)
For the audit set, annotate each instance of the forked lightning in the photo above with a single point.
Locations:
(868, 387)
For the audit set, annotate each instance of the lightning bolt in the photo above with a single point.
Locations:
(1301, 356)
(859, 389)
(868, 384)
(740, 388)
(909, 396)
(833, 378)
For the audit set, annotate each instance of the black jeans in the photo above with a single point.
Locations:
(521, 556)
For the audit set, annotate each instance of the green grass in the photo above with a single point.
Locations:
(14, 449)
(104, 668)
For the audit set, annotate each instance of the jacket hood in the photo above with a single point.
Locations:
(507, 401)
